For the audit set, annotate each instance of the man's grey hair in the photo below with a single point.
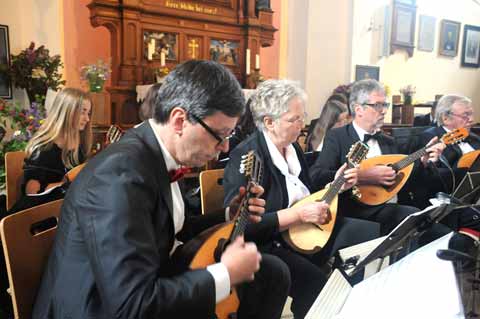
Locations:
(272, 98)
(361, 90)
(444, 105)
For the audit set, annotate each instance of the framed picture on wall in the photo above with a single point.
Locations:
(426, 33)
(363, 72)
(407, 2)
(5, 85)
(449, 34)
(471, 46)
(403, 28)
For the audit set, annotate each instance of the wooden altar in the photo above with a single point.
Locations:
(148, 35)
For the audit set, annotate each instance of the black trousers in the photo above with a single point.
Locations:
(266, 295)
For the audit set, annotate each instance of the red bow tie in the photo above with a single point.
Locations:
(177, 174)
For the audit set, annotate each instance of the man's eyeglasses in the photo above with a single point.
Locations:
(465, 116)
(378, 106)
(212, 132)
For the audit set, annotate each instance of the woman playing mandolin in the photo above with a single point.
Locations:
(278, 108)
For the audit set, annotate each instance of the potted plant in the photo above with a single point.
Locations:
(35, 71)
(408, 92)
(23, 122)
(96, 74)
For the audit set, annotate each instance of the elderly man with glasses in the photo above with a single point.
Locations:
(368, 107)
(453, 111)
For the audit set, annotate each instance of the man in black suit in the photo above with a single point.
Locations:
(453, 112)
(123, 218)
(368, 106)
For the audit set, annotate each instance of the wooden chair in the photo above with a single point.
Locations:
(27, 238)
(13, 176)
(211, 190)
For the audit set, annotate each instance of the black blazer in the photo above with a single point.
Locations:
(275, 195)
(423, 120)
(336, 146)
(111, 257)
(453, 152)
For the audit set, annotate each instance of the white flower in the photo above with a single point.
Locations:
(17, 133)
(38, 73)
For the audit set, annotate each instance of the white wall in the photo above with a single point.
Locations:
(430, 73)
(32, 20)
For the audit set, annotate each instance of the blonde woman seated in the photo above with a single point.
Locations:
(334, 114)
(61, 143)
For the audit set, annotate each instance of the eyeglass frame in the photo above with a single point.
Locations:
(212, 132)
(464, 117)
(385, 106)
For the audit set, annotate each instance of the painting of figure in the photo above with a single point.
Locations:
(163, 42)
(449, 34)
(224, 51)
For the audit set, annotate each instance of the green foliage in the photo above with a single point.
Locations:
(35, 71)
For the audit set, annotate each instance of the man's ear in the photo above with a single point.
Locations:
(268, 122)
(177, 118)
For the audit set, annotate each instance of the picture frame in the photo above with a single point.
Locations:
(363, 72)
(5, 84)
(426, 33)
(471, 46)
(407, 2)
(449, 38)
(225, 52)
(403, 28)
(162, 41)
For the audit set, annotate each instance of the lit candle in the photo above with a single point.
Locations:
(257, 62)
(151, 49)
(162, 58)
(248, 62)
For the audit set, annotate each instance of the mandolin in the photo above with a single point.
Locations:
(309, 238)
(207, 248)
(371, 194)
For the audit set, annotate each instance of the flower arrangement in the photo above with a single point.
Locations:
(162, 71)
(407, 92)
(96, 74)
(35, 71)
(23, 122)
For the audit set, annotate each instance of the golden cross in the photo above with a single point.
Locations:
(193, 45)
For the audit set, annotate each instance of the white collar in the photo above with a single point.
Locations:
(169, 160)
(360, 131)
(289, 164)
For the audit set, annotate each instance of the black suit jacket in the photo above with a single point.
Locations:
(335, 149)
(453, 152)
(275, 195)
(423, 120)
(111, 257)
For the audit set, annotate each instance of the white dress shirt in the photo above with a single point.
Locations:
(464, 146)
(290, 167)
(218, 271)
(374, 147)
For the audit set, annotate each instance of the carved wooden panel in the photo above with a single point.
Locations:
(220, 30)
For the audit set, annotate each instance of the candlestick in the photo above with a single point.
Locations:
(150, 49)
(257, 61)
(162, 58)
(247, 71)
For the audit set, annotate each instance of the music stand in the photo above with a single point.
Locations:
(410, 228)
(468, 191)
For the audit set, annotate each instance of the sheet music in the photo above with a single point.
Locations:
(363, 250)
(418, 286)
(332, 297)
